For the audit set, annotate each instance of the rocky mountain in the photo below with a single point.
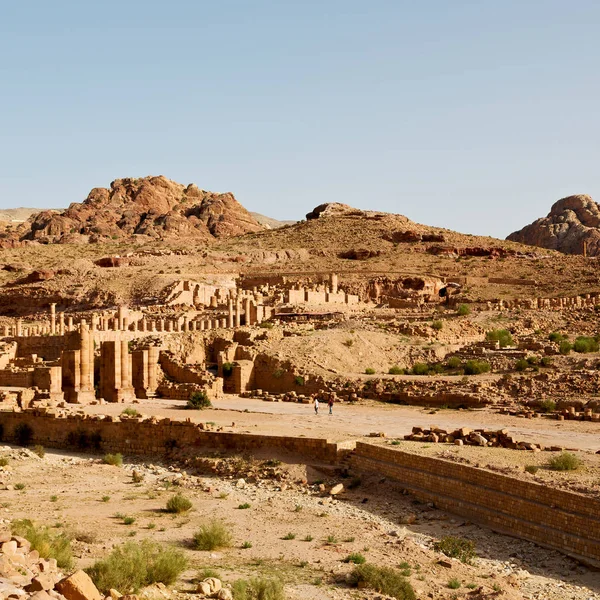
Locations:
(572, 221)
(20, 214)
(270, 223)
(155, 207)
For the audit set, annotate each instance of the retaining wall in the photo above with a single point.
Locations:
(152, 436)
(557, 519)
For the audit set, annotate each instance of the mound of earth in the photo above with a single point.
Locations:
(571, 223)
(155, 207)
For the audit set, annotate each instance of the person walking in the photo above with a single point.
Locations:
(316, 406)
(330, 404)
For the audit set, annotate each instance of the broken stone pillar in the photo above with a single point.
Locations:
(224, 323)
(238, 312)
(53, 318)
(213, 302)
(19, 327)
(61, 323)
(123, 317)
(247, 315)
(230, 313)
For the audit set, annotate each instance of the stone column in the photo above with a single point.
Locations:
(248, 316)
(19, 327)
(61, 323)
(230, 313)
(238, 312)
(53, 318)
(125, 369)
(153, 356)
(123, 316)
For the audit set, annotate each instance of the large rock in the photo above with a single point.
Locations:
(78, 586)
(571, 222)
(151, 206)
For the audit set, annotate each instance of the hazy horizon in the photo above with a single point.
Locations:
(473, 117)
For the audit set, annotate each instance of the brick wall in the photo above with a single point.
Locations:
(565, 521)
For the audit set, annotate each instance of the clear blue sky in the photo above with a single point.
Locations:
(472, 115)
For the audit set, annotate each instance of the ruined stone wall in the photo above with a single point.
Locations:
(565, 521)
(151, 436)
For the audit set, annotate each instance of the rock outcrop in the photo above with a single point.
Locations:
(155, 207)
(572, 222)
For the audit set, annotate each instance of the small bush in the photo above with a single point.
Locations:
(369, 371)
(548, 405)
(355, 558)
(48, 544)
(299, 380)
(130, 412)
(565, 347)
(476, 367)
(533, 360)
(207, 572)
(533, 469)
(383, 580)
(227, 369)
(289, 536)
(453, 362)
(19, 486)
(135, 565)
(212, 535)
(565, 461)
(437, 325)
(348, 343)
(105, 498)
(244, 506)
(129, 520)
(178, 504)
(331, 540)
(198, 401)
(502, 336)
(555, 337)
(266, 325)
(308, 538)
(116, 460)
(246, 545)
(420, 369)
(546, 361)
(463, 310)
(258, 589)
(396, 370)
(454, 583)
(521, 365)
(23, 434)
(3, 461)
(584, 344)
(39, 450)
(456, 547)
(137, 477)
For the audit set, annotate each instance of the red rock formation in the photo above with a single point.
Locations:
(572, 221)
(151, 206)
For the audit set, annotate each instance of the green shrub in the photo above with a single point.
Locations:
(19, 486)
(39, 450)
(456, 547)
(548, 405)
(454, 583)
(289, 536)
(212, 535)
(521, 365)
(135, 565)
(227, 369)
(565, 347)
(476, 367)
(130, 412)
(3, 461)
(178, 504)
(555, 337)
(198, 401)
(463, 310)
(207, 572)
(129, 520)
(246, 545)
(47, 543)
(298, 380)
(396, 370)
(546, 361)
(453, 362)
(348, 343)
(584, 344)
(533, 469)
(437, 325)
(420, 369)
(266, 325)
(502, 336)
(244, 506)
(369, 371)
(533, 360)
(355, 558)
(23, 434)
(565, 461)
(116, 460)
(383, 580)
(258, 589)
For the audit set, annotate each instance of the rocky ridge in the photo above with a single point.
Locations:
(153, 207)
(572, 222)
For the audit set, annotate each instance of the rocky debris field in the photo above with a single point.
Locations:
(289, 521)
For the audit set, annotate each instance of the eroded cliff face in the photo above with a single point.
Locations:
(150, 206)
(571, 222)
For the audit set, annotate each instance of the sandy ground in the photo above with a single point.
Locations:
(66, 492)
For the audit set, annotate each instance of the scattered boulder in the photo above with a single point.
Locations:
(78, 586)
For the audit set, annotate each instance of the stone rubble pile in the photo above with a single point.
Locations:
(475, 437)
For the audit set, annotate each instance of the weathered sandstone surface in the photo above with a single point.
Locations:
(571, 223)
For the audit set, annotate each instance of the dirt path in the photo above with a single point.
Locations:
(350, 422)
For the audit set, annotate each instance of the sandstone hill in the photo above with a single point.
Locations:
(572, 221)
(153, 207)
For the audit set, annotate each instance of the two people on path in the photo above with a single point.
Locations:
(329, 403)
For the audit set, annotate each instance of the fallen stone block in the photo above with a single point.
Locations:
(78, 586)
